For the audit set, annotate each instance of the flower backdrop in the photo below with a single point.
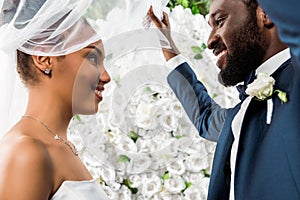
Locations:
(141, 145)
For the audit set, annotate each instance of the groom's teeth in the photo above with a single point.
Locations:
(221, 53)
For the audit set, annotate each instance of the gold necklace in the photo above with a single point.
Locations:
(56, 137)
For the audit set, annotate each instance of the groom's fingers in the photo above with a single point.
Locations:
(153, 18)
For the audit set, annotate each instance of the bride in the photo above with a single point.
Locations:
(60, 60)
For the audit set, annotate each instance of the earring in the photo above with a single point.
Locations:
(47, 71)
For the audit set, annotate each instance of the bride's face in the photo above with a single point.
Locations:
(84, 77)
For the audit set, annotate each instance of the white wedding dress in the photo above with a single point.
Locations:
(80, 190)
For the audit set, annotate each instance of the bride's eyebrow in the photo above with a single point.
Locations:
(99, 52)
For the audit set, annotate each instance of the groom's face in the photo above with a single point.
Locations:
(236, 40)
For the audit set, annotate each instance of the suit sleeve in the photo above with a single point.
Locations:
(206, 115)
(286, 16)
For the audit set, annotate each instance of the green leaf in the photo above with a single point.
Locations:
(133, 135)
(166, 176)
(78, 117)
(185, 3)
(147, 89)
(203, 46)
(187, 185)
(124, 158)
(197, 49)
(195, 9)
(117, 80)
(214, 95)
(128, 184)
(196, 6)
(282, 96)
(204, 172)
(178, 136)
(198, 56)
(155, 94)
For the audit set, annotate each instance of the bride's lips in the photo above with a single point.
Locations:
(98, 92)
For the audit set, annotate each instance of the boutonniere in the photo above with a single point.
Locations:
(262, 88)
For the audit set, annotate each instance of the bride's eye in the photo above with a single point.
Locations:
(93, 58)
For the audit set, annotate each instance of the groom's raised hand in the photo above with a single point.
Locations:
(164, 26)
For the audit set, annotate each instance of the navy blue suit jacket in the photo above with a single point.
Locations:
(268, 161)
(286, 16)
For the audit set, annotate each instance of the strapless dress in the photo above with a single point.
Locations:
(80, 190)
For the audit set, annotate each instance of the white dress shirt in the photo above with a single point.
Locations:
(269, 67)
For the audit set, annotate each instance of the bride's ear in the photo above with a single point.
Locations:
(43, 63)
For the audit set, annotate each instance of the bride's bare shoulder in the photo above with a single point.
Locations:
(17, 144)
(24, 158)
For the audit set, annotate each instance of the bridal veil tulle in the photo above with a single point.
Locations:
(51, 28)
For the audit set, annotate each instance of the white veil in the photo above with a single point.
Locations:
(55, 27)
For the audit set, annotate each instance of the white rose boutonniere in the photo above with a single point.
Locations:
(263, 87)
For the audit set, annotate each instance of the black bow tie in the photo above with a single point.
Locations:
(242, 87)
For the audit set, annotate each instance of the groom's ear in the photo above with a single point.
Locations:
(262, 18)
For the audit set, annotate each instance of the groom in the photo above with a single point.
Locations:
(258, 141)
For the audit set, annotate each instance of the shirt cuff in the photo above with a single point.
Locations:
(176, 61)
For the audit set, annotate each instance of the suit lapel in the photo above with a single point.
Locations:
(221, 166)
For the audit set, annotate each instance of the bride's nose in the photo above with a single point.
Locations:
(105, 78)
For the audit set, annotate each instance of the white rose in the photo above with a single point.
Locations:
(176, 167)
(162, 136)
(184, 143)
(261, 87)
(197, 147)
(135, 180)
(167, 154)
(163, 195)
(176, 109)
(175, 184)
(126, 144)
(119, 175)
(125, 193)
(151, 185)
(205, 184)
(193, 193)
(170, 123)
(145, 116)
(115, 186)
(139, 163)
(108, 174)
(145, 145)
(112, 195)
(194, 178)
(196, 163)
(112, 136)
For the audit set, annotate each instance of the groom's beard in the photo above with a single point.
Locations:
(248, 49)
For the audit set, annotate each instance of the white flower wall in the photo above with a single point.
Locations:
(141, 145)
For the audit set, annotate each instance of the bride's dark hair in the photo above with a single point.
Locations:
(28, 73)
